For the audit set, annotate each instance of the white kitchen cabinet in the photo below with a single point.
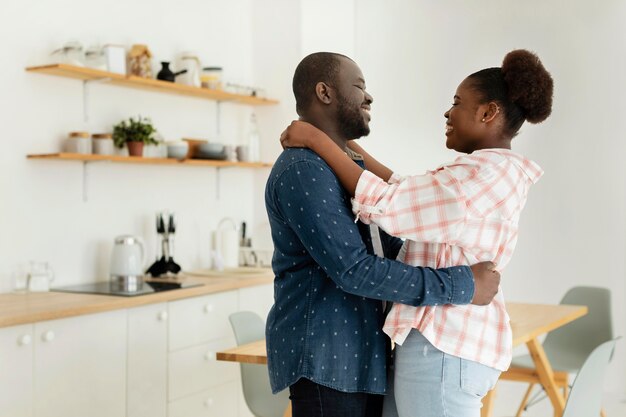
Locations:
(147, 361)
(16, 371)
(80, 366)
(195, 369)
(198, 320)
(156, 360)
(198, 328)
(217, 401)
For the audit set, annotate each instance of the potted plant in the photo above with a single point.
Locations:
(134, 133)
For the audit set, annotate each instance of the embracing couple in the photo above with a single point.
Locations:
(364, 256)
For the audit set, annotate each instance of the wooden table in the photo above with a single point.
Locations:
(528, 321)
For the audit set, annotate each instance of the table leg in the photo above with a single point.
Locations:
(487, 409)
(546, 376)
(288, 410)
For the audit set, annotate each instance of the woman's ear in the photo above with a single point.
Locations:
(490, 112)
(323, 92)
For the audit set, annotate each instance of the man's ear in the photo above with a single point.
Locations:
(324, 93)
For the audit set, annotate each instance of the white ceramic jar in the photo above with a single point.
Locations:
(102, 144)
(78, 142)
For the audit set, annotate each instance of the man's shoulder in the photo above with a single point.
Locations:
(291, 155)
(299, 158)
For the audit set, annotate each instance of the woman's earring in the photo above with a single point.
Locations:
(483, 120)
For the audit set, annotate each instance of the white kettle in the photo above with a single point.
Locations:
(127, 259)
(226, 244)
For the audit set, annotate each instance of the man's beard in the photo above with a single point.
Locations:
(351, 122)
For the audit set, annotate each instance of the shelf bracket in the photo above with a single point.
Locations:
(217, 183)
(86, 95)
(217, 119)
(85, 174)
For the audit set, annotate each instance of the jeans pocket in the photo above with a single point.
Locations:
(477, 379)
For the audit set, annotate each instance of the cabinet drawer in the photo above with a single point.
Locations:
(200, 320)
(218, 401)
(195, 369)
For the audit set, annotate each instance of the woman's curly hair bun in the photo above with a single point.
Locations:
(529, 84)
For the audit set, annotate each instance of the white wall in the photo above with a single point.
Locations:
(414, 54)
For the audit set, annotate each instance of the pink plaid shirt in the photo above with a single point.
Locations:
(461, 213)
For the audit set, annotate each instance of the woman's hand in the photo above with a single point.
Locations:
(299, 135)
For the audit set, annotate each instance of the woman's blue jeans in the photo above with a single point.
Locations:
(430, 383)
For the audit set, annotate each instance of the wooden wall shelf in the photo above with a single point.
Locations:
(149, 161)
(89, 74)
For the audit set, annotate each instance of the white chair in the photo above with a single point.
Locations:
(249, 327)
(585, 397)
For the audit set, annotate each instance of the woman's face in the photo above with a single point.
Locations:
(464, 128)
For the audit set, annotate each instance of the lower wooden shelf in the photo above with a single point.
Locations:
(145, 160)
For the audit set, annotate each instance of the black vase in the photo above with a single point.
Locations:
(166, 73)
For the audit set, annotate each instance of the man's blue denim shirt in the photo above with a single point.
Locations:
(327, 317)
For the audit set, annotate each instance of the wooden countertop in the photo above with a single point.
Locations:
(17, 308)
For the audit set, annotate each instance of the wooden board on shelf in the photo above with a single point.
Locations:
(85, 74)
(145, 160)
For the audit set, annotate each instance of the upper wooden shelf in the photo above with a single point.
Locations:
(86, 74)
(145, 160)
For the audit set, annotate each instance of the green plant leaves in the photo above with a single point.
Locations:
(134, 130)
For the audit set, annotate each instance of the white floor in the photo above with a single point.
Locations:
(509, 394)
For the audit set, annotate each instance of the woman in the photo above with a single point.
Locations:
(448, 357)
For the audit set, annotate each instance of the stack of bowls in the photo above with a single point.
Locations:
(211, 151)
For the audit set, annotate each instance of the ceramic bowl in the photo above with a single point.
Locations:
(211, 148)
(177, 150)
(211, 151)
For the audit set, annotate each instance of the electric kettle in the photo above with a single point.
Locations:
(127, 260)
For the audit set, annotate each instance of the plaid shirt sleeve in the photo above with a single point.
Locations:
(430, 207)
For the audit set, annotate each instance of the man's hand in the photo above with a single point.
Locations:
(486, 282)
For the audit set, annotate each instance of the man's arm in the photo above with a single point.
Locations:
(309, 197)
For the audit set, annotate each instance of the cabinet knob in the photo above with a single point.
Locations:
(162, 316)
(208, 402)
(208, 308)
(48, 336)
(24, 340)
(209, 356)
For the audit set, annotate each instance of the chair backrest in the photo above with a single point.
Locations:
(580, 337)
(585, 397)
(249, 327)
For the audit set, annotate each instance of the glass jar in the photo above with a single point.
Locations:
(95, 58)
(212, 78)
(71, 53)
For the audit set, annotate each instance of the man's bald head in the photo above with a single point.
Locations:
(314, 68)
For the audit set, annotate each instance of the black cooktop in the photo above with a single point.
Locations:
(111, 288)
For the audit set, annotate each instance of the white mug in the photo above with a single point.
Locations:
(243, 153)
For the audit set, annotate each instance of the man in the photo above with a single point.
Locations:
(324, 337)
